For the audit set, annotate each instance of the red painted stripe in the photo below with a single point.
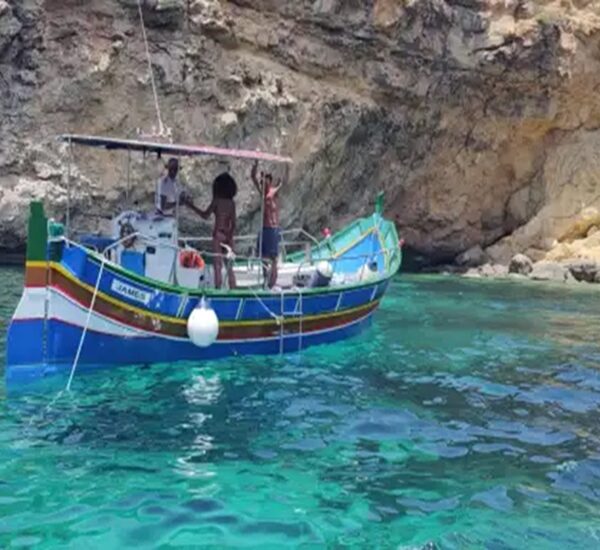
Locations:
(242, 332)
(151, 325)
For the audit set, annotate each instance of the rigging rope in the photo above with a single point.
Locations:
(87, 324)
(162, 132)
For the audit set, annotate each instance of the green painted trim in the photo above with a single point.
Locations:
(337, 242)
(379, 203)
(343, 240)
(237, 293)
(37, 233)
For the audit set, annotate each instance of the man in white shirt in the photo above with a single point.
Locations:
(168, 194)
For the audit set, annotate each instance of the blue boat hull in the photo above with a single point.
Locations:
(101, 351)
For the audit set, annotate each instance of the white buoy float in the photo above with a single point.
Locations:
(325, 269)
(323, 274)
(203, 325)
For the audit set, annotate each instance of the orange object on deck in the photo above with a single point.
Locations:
(191, 259)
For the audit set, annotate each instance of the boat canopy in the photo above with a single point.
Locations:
(169, 148)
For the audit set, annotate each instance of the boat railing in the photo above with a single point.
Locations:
(252, 236)
(252, 239)
(229, 256)
(293, 240)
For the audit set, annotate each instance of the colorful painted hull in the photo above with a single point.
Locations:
(140, 321)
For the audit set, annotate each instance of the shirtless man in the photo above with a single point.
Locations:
(223, 208)
(271, 232)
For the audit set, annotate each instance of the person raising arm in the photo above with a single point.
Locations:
(270, 238)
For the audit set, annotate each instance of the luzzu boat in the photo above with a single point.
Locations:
(129, 298)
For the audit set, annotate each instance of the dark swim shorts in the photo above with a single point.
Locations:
(270, 242)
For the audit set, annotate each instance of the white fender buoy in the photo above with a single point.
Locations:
(322, 275)
(203, 325)
(325, 270)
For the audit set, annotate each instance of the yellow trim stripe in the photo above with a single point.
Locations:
(58, 267)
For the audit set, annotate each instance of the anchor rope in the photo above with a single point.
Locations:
(280, 319)
(161, 127)
(86, 326)
(277, 318)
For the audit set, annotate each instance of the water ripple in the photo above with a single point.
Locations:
(469, 406)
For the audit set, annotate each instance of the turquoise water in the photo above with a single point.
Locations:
(468, 417)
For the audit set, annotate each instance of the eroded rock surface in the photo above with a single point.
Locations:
(550, 271)
(479, 119)
(520, 264)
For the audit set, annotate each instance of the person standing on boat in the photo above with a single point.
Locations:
(168, 192)
(270, 236)
(223, 208)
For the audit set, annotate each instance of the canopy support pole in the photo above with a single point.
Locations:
(68, 216)
(179, 190)
(128, 191)
(262, 270)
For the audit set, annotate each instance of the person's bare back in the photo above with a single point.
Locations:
(223, 208)
(225, 214)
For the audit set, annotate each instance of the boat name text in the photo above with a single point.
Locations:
(131, 292)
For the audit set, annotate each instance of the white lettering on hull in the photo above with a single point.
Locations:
(131, 292)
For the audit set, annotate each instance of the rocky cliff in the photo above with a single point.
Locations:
(479, 118)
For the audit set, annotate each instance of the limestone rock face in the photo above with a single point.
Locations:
(479, 119)
(471, 258)
(10, 26)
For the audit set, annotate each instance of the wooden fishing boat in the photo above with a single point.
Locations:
(104, 301)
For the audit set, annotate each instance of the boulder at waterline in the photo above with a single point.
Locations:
(487, 270)
(550, 271)
(520, 264)
(584, 270)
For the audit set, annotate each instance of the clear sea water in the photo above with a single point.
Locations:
(467, 417)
